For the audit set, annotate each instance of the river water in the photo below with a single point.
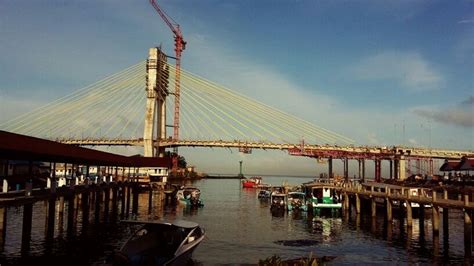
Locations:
(241, 230)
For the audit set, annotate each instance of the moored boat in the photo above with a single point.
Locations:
(324, 197)
(252, 182)
(296, 200)
(190, 196)
(160, 243)
(278, 201)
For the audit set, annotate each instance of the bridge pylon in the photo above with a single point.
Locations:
(157, 74)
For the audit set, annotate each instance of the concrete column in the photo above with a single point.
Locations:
(391, 169)
(360, 168)
(402, 170)
(155, 90)
(363, 170)
(346, 169)
(331, 175)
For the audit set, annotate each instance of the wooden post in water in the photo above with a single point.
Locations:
(114, 200)
(85, 210)
(50, 218)
(70, 215)
(357, 199)
(150, 201)
(388, 204)
(3, 227)
(26, 228)
(106, 202)
(127, 208)
(467, 229)
(373, 207)
(409, 214)
(61, 215)
(435, 215)
(136, 193)
(98, 197)
(122, 199)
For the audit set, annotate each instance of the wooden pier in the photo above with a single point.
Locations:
(437, 199)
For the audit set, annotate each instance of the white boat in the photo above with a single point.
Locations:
(160, 243)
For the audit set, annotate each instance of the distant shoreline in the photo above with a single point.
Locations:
(220, 177)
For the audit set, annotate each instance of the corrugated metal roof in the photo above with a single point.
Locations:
(20, 147)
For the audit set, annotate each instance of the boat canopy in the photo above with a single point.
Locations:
(177, 223)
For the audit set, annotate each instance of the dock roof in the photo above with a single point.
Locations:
(21, 147)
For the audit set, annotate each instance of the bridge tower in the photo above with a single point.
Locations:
(157, 73)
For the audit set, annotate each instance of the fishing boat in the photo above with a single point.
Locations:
(160, 243)
(264, 194)
(189, 196)
(324, 197)
(278, 201)
(296, 200)
(252, 182)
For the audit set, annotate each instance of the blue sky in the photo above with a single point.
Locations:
(365, 69)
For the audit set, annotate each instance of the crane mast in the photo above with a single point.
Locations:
(179, 46)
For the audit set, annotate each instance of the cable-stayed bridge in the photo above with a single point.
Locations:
(133, 107)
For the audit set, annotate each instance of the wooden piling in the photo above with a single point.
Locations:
(409, 214)
(70, 215)
(26, 228)
(3, 227)
(127, 207)
(50, 218)
(388, 206)
(467, 233)
(98, 195)
(357, 199)
(85, 208)
(106, 203)
(373, 207)
(434, 219)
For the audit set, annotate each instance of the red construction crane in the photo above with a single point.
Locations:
(179, 46)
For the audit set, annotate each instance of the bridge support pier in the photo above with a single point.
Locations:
(346, 169)
(331, 175)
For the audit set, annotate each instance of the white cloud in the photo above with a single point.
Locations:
(466, 21)
(408, 69)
